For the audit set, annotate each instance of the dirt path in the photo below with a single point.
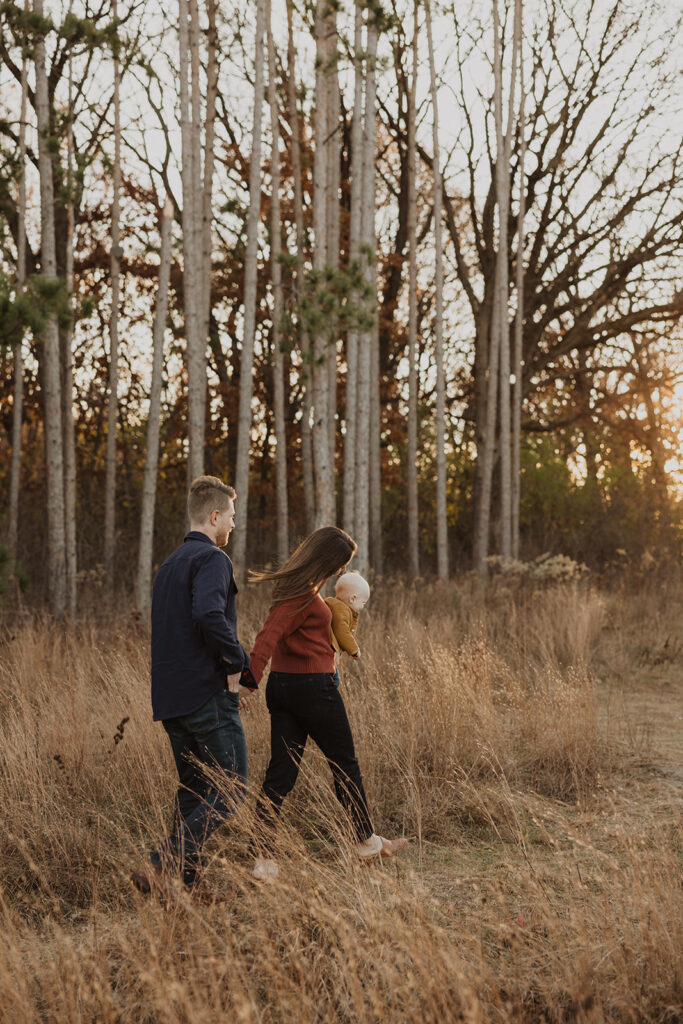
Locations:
(647, 710)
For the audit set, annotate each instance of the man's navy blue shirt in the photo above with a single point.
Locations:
(194, 628)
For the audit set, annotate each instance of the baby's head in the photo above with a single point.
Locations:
(353, 590)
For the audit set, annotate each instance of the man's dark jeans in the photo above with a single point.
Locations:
(301, 706)
(213, 736)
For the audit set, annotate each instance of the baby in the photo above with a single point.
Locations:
(352, 595)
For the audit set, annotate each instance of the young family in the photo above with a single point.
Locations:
(202, 676)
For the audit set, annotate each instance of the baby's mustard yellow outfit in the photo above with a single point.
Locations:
(344, 622)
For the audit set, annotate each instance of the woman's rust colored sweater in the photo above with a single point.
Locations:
(295, 639)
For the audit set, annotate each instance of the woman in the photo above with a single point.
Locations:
(301, 695)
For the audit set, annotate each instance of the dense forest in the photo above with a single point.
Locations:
(411, 268)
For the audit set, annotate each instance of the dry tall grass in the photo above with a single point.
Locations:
(542, 883)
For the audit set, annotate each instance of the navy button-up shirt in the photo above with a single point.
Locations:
(194, 628)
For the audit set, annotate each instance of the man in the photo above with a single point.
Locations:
(197, 662)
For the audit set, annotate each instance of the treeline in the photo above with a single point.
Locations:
(406, 268)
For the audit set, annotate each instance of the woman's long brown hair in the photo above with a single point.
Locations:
(323, 553)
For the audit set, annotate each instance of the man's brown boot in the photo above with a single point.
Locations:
(150, 878)
(203, 893)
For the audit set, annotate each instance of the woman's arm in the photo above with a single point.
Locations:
(280, 623)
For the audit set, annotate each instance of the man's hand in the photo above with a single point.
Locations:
(234, 683)
(246, 697)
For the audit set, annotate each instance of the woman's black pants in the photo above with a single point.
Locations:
(301, 706)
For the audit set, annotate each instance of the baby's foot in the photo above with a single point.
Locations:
(265, 870)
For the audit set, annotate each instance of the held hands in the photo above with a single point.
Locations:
(245, 694)
(247, 689)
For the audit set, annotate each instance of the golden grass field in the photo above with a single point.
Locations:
(526, 739)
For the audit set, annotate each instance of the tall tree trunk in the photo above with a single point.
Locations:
(304, 339)
(324, 483)
(282, 513)
(112, 394)
(54, 462)
(440, 418)
(18, 407)
(482, 353)
(496, 370)
(365, 341)
(375, 454)
(250, 288)
(68, 382)
(503, 147)
(375, 489)
(333, 147)
(413, 527)
(351, 437)
(196, 362)
(207, 180)
(486, 449)
(501, 292)
(143, 582)
(517, 363)
(196, 367)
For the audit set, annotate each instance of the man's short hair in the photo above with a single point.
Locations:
(206, 494)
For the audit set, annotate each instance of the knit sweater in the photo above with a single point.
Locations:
(295, 639)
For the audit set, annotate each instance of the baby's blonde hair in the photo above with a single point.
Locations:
(348, 579)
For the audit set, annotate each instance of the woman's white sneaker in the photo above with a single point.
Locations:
(369, 848)
(377, 846)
